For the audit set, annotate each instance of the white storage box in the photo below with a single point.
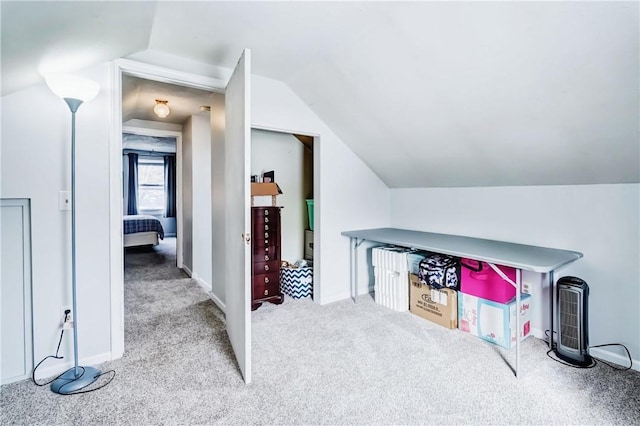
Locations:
(391, 277)
(413, 260)
(493, 321)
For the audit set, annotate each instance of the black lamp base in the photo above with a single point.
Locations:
(69, 383)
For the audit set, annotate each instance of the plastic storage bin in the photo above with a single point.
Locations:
(310, 211)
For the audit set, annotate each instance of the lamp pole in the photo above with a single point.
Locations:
(74, 104)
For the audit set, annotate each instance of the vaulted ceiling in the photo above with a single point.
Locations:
(428, 94)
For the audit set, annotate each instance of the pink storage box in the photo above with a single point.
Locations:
(486, 283)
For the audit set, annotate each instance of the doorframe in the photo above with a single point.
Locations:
(144, 131)
(116, 255)
(317, 226)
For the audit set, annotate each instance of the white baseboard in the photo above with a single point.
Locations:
(187, 270)
(538, 333)
(218, 302)
(202, 283)
(54, 370)
(614, 358)
(343, 296)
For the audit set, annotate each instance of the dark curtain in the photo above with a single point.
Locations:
(132, 185)
(170, 185)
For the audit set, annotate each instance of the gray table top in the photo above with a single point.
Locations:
(521, 256)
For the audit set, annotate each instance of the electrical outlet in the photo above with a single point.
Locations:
(67, 319)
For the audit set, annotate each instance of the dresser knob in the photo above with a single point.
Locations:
(266, 235)
(266, 292)
(266, 258)
(266, 267)
(266, 220)
(266, 249)
(266, 242)
(266, 279)
(266, 212)
(266, 227)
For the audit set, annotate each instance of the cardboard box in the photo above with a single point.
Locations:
(492, 321)
(308, 245)
(436, 305)
(264, 194)
(296, 282)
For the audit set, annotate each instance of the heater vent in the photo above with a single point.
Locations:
(569, 313)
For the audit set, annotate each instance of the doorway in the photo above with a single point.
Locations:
(131, 118)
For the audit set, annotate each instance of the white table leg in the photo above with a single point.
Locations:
(518, 319)
(551, 296)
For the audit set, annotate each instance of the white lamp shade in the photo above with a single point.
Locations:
(161, 109)
(72, 87)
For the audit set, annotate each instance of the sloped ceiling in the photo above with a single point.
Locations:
(428, 94)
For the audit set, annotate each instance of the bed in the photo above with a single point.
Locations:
(142, 230)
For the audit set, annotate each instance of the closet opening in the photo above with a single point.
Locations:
(288, 159)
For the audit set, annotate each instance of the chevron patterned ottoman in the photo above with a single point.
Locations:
(296, 282)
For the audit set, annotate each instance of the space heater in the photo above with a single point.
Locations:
(573, 313)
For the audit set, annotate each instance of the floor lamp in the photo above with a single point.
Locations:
(74, 91)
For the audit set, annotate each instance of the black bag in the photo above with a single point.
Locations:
(440, 271)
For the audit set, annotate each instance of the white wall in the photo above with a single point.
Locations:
(348, 195)
(218, 214)
(36, 165)
(201, 186)
(187, 196)
(601, 221)
(284, 154)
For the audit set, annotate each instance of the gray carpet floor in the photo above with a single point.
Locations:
(342, 363)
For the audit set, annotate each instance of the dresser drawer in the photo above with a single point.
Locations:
(266, 257)
(259, 250)
(270, 279)
(260, 227)
(269, 235)
(265, 290)
(265, 267)
(258, 245)
(270, 219)
(272, 212)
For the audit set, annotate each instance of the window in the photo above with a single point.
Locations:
(151, 185)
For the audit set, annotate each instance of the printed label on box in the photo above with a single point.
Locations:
(438, 296)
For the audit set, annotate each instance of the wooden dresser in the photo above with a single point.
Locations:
(266, 260)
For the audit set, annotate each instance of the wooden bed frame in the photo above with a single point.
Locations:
(141, 239)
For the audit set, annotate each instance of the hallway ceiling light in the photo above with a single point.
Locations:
(161, 109)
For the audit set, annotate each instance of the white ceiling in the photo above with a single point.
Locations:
(139, 98)
(426, 93)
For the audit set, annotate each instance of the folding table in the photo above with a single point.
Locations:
(520, 256)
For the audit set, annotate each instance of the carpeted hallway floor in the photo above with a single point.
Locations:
(342, 363)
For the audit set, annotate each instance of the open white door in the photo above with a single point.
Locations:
(238, 214)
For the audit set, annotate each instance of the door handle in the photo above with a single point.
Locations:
(246, 238)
